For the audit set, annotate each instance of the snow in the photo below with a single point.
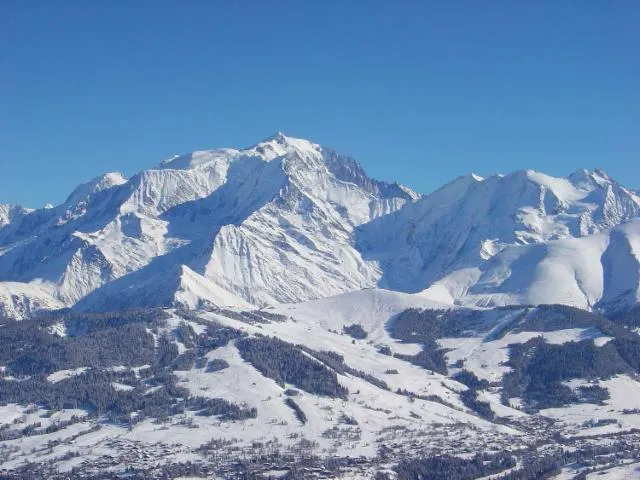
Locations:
(59, 329)
(21, 300)
(63, 374)
(370, 308)
(624, 394)
(496, 405)
(486, 353)
(601, 269)
(623, 472)
(122, 387)
(83, 192)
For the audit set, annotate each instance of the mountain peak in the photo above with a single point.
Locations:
(277, 137)
(279, 144)
(95, 185)
(586, 178)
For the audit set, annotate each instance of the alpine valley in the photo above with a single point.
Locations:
(273, 312)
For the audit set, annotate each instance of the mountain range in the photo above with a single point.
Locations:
(287, 221)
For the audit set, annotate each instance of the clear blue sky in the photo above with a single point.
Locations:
(418, 91)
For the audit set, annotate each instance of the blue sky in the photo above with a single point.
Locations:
(419, 92)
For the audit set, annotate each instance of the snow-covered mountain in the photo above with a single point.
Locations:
(269, 224)
(522, 238)
(287, 220)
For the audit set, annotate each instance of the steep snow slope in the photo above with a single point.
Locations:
(267, 224)
(19, 300)
(600, 270)
(83, 193)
